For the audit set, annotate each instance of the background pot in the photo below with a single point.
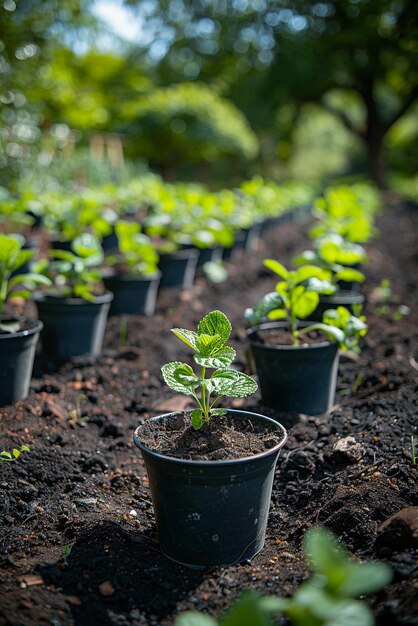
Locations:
(300, 379)
(133, 295)
(17, 353)
(340, 298)
(178, 269)
(211, 513)
(72, 326)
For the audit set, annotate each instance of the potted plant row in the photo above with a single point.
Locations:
(296, 361)
(75, 305)
(210, 470)
(135, 277)
(342, 259)
(18, 335)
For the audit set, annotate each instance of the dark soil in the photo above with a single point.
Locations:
(78, 543)
(225, 438)
(282, 337)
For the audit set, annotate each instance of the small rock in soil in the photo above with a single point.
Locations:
(347, 450)
(400, 531)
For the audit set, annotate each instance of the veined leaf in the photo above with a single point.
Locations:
(209, 345)
(222, 358)
(188, 336)
(228, 382)
(180, 377)
(215, 323)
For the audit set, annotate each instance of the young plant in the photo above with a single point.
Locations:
(297, 296)
(337, 255)
(75, 274)
(12, 258)
(14, 454)
(210, 352)
(327, 598)
(136, 255)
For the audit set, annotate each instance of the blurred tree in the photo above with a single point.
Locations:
(30, 31)
(187, 123)
(266, 54)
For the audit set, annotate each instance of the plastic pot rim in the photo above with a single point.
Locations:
(36, 326)
(41, 297)
(282, 347)
(192, 462)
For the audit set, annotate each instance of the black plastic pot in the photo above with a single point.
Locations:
(17, 353)
(346, 285)
(72, 326)
(300, 379)
(209, 254)
(133, 295)
(339, 298)
(178, 269)
(211, 513)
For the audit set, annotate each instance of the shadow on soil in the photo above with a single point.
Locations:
(114, 570)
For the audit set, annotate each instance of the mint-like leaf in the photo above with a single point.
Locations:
(215, 323)
(180, 377)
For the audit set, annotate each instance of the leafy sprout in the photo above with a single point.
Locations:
(297, 296)
(327, 598)
(12, 258)
(210, 352)
(336, 254)
(136, 254)
(75, 274)
(14, 454)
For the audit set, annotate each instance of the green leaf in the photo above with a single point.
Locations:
(215, 323)
(218, 412)
(277, 268)
(180, 377)
(223, 358)
(268, 303)
(24, 448)
(350, 275)
(192, 618)
(188, 336)
(209, 345)
(304, 302)
(16, 453)
(309, 271)
(365, 579)
(197, 418)
(30, 279)
(332, 331)
(248, 610)
(231, 383)
(6, 454)
(87, 246)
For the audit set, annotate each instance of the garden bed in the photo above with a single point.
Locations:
(78, 541)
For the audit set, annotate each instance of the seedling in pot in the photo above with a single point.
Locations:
(136, 255)
(14, 454)
(327, 598)
(337, 255)
(12, 258)
(75, 274)
(297, 296)
(210, 352)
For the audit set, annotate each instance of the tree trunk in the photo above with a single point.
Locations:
(374, 135)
